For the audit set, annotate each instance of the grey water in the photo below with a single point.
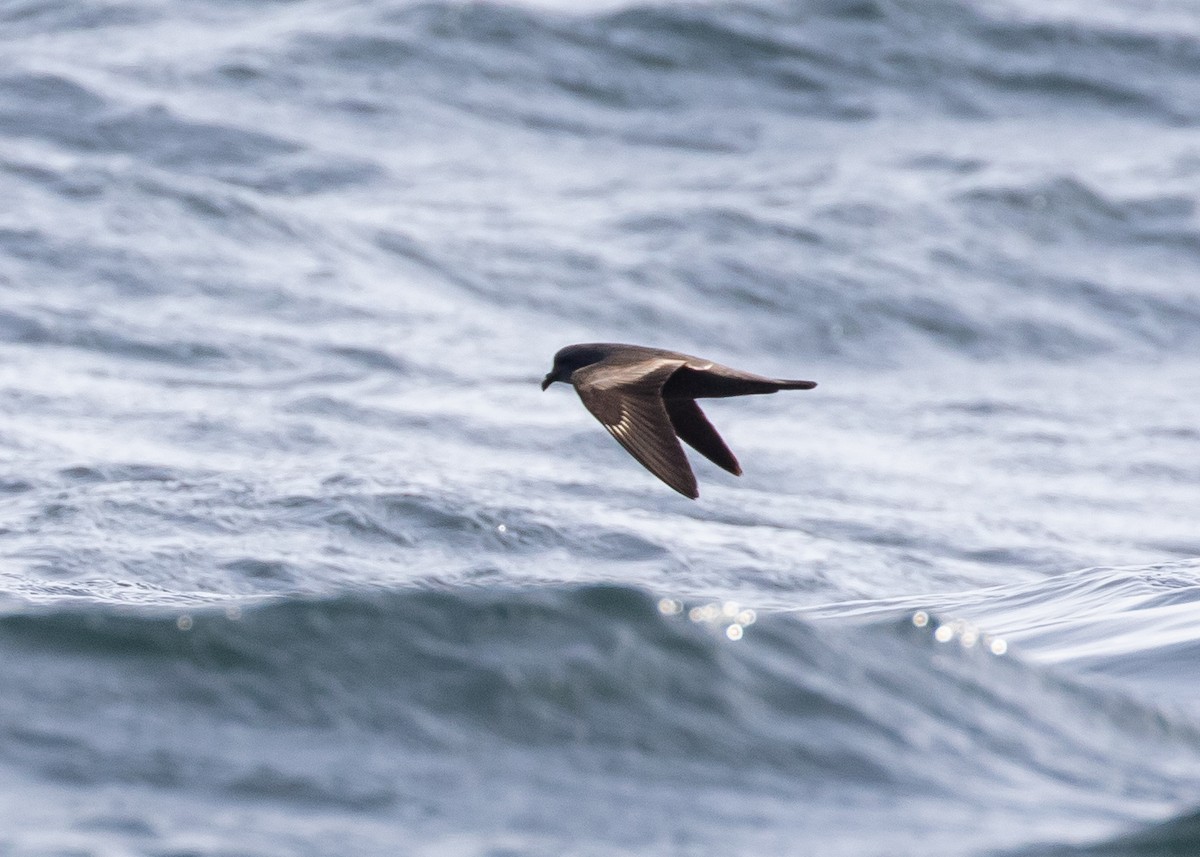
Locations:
(296, 558)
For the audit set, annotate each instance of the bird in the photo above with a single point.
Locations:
(646, 396)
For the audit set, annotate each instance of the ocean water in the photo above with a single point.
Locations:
(296, 558)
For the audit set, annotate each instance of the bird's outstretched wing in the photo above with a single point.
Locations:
(627, 400)
(699, 379)
(693, 427)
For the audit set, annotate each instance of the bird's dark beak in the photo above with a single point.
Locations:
(548, 380)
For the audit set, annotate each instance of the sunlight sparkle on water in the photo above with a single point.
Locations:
(728, 617)
(967, 634)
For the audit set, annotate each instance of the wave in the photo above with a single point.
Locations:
(1176, 836)
(1058, 265)
(850, 60)
(1135, 624)
(712, 78)
(603, 670)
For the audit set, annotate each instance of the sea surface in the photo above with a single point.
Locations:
(296, 558)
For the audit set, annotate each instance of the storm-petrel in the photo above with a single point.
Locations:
(647, 396)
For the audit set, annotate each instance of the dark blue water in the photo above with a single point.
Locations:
(296, 558)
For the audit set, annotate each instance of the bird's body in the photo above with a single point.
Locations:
(647, 396)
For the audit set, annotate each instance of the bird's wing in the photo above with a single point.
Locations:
(703, 379)
(698, 433)
(627, 400)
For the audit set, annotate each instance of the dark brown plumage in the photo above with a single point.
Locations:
(647, 396)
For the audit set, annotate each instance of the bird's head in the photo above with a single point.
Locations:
(572, 358)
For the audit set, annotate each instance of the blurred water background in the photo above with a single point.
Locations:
(297, 559)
